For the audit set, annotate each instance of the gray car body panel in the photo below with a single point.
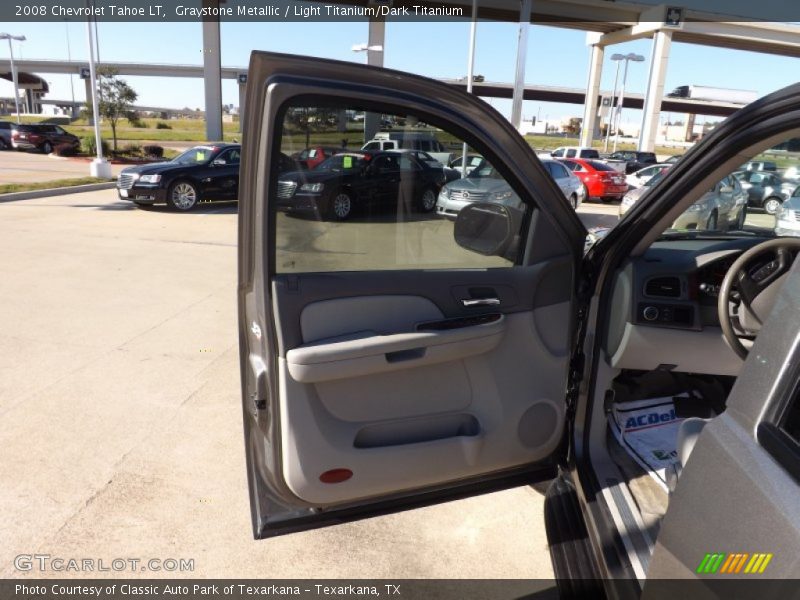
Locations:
(732, 495)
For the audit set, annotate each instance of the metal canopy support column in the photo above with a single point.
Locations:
(377, 33)
(212, 74)
(589, 125)
(659, 59)
(522, 53)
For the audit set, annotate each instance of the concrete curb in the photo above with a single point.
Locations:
(62, 191)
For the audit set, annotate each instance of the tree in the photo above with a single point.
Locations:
(115, 99)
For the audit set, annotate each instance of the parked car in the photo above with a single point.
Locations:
(410, 140)
(41, 136)
(574, 152)
(200, 173)
(788, 221)
(760, 165)
(673, 159)
(640, 177)
(445, 366)
(723, 207)
(600, 181)
(473, 160)
(350, 181)
(5, 134)
(765, 189)
(311, 157)
(485, 184)
(630, 161)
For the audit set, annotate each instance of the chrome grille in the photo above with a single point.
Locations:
(125, 182)
(467, 196)
(796, 215)
(286, 189)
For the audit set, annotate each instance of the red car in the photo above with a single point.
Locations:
(601, 181)
(311, 157)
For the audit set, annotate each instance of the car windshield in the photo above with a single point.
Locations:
(484, 171)
(599, 166)
(195, 156)
(342, 162)
(745, 202)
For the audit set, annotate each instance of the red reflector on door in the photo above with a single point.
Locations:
(336, 476)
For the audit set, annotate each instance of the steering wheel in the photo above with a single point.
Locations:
(746, 296)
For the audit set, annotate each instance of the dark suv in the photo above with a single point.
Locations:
(5, 134)
(633, 160)
(42, 137)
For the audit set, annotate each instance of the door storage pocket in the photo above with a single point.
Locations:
(415, 431)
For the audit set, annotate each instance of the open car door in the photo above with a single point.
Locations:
(403, 339)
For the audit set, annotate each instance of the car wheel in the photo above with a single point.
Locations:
(182, 196)
(711, 224)
(3, 144)
(47, 148)
(573, 200)
(341, 206)
(772, 205)
(427, 200)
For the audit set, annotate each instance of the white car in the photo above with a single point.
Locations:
(642, 176)
(788, 217)
(575, 152)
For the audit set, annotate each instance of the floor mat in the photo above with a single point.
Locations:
(648, 431)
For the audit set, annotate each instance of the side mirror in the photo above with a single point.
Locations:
(488, 229)
(219, 162)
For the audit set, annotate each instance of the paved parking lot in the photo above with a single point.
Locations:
(120, 415)
(24, 167)
(120, 420)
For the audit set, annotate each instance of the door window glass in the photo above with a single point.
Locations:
(359, 211)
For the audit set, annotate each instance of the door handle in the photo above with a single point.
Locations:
(481, 301)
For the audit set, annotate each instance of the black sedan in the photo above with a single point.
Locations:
(342, 184)
(201, 173)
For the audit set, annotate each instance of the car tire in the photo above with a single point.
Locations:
(183, 196)
(573, 201)
(772, 205)
(47, 147)
(3, 144)
(340, 206)
(427, 200)
(711, 224)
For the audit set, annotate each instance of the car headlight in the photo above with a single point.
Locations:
(150, 178)
(445, 192)
(500, 196)
(785, 214)
(696, 208)
(314, 188)
(628, 200)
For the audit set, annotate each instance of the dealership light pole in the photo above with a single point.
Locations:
(99, 166)
(19, 38)
(627, 58)
(473, 28)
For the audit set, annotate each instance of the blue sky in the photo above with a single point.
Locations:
(555, 56)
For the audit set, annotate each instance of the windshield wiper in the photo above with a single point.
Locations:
(703, 234)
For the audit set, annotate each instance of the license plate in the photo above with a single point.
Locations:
(123, 193)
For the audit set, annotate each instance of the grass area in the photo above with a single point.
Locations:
(181, 130)
(10, 188)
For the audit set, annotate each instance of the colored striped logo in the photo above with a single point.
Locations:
(736, 562)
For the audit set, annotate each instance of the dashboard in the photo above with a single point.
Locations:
(664, 307)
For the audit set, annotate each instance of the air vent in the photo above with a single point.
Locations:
(663, 287)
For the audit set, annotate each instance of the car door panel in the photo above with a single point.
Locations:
(400, 383)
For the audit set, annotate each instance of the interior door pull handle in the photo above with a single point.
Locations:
(481, 301)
